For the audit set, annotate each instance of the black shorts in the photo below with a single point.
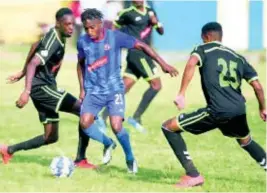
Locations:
(48, 101)
(203, 120)
(140, 65)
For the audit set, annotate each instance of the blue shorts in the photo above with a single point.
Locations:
(94, 103)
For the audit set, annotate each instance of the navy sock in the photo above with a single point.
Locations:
(94, 133)
(124, 140)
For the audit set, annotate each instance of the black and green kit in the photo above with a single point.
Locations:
(137, 24)
(46, 97)
(221, 70)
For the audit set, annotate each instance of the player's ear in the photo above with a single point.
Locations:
(57, 24)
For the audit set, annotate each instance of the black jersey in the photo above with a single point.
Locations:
(136, 23)
(51, 51)
(222, 71)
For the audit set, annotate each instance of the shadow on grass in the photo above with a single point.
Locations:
(144, 174)
(37, 159)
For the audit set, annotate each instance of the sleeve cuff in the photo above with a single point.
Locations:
(41, 58)
(158, 25)
(252, 79)
(199, 58)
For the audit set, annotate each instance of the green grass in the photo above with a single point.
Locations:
(225, 166)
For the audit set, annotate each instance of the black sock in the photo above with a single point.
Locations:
(26, 145)
(257, 153)
(148, 96)
(82, 145)
(179, 148)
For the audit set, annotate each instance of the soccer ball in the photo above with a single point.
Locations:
(62, 166)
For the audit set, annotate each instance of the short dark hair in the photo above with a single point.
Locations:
(211, 26)
(91, 14)
(63, 11)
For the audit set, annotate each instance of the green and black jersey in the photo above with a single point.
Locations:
(136, 23)
(51, 51)
(222, 71)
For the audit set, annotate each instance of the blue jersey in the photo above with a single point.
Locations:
(102, 69)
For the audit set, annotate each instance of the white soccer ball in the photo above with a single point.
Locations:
(62, 166)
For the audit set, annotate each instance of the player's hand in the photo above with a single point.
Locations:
(23, 99)
(180, 102)
(82, 95)
(263, 114)
(170, 70)
(14, 78)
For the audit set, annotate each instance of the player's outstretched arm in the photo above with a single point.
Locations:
(80, 78)
(19, 75)
(187, 77)
(30, 71)
(260, 96)
(149, 51)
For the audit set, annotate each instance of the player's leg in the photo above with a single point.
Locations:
(149, 95)
(49, 120)
(254, 150)
(146, 69)
(197, 122)
(116, 108)
(70, 104)
(238, 127)
(92, 104)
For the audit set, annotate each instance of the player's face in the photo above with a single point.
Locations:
(93, 28)
(66, 25)
(138, 3)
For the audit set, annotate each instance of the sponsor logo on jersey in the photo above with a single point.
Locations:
(98, 63)
(107, 47)
(138, 18)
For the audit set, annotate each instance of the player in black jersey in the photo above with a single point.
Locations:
(41, 68)
(139, 21)
(221, 70)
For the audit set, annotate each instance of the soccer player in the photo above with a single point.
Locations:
(139, 21)
(221, 70)
(101, 84)
(41, 68)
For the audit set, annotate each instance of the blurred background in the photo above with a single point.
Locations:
(244, 21)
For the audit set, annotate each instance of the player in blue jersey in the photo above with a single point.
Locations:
(101, 84)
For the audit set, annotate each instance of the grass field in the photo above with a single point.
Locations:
(223, 163)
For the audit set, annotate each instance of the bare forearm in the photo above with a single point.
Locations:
(187, 77)
(260, 96)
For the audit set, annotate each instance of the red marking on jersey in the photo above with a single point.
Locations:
(145, 32)
(55, 68)
(98, 63)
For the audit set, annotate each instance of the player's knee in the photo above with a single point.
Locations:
(51, 139)
(244, 141)
(116, 127)
(85, 122)
(171, 125)
(156, 86)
